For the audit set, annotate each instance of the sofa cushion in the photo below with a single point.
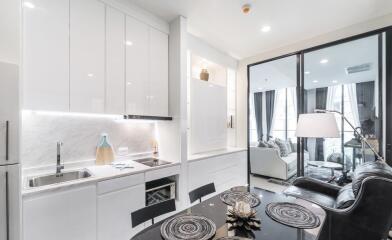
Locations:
(291, 161)
(369, 169)
(345, 197)
(284, 151)
(321, 199)
(262, 144)
(272, 144)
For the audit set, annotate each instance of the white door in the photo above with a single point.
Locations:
(114, 213)
(158, 74)
(46, 55)
(87, 35)
(9, 113)
(137, 35)
(10, 202)
(62, 215)
(115, 61)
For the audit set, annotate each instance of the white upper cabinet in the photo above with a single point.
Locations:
(158, 74)
(115, 62)
(87, 70)
(137, 47)
(46, 55)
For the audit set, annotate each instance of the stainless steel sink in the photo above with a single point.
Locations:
(152, 162)
(58, 178)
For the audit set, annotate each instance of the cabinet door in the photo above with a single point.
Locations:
(87, 85)
(46, 55)
(63, 215)
(158, 73)
(9, 113)
(137, 35)
(115, 62)
(114, 213)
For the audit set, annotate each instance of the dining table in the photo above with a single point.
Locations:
(216, 210)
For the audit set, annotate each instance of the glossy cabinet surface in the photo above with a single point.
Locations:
(158, 74)
(87, 53)
(137, 65)
(46, 56)
(9, 113)
(114, 213)
(115, 62)
(61, 215)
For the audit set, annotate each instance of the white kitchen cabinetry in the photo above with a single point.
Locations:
(62, 215)
(115, 62)
(46, 55)
(114, 211)
(87, 56)
(225, 171)
(158, 74)
(137, 48)
(9, 113)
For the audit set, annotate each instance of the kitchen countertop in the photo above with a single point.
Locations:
(215, 153)
(99, 173)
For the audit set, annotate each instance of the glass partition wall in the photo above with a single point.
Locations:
(346, 77)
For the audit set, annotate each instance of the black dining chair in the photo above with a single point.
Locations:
(202, 191)
(152, 211)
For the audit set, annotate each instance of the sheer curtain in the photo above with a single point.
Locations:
(334, 102)
(351, 90)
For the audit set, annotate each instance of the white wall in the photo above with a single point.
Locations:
(325, 38)
(9, 31)
(202, 49)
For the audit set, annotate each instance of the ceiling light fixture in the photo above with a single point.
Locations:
(324, 61)
(334, 81)
(129, 43)
(29, 5)
(315, 81)
(266, 28)
(246, 8)
(307, 72)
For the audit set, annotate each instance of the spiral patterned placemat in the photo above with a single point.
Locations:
(188, 227)
(233, 238)
(292, 215)
(231, 197)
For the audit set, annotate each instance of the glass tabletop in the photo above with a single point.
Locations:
(216, 210)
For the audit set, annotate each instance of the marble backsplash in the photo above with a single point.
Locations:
(80, 135)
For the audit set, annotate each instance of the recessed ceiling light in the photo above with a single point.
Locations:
(307, 72)
(266, 28)
(29, 5)
(129, 83)
(90, 75)
(129, 43)
(315, 81)
(334, 81)
(324, 61)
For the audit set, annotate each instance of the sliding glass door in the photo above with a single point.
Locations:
(344, 78)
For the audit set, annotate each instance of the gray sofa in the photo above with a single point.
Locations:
(267, 162)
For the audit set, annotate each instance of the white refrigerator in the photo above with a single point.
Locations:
(10, 200)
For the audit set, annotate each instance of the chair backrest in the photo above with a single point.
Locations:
(152, 211)
(202, 191)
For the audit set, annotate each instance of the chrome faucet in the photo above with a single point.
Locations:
(59, 167)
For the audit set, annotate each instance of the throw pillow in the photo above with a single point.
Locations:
(293, 146)
(284, 152)
(262, 144)
(272, 144)
(288, 145)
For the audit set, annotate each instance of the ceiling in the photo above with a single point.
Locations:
(222, 24)
(281, 73)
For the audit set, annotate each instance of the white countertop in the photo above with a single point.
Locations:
(99, 173)
(220, 152)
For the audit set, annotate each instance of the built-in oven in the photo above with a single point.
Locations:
(160, 190)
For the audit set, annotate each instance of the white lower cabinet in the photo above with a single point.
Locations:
(61, 215)
(114, 213)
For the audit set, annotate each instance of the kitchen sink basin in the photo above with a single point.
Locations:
(58, 178)
(152, 162)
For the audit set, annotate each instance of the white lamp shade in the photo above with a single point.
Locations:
(317, 125)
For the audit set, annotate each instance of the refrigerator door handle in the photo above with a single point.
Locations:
(7, 128)
(7, 213)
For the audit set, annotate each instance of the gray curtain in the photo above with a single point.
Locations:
(366, 107)
(258, 101)
(270, 103)
(321, 103)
